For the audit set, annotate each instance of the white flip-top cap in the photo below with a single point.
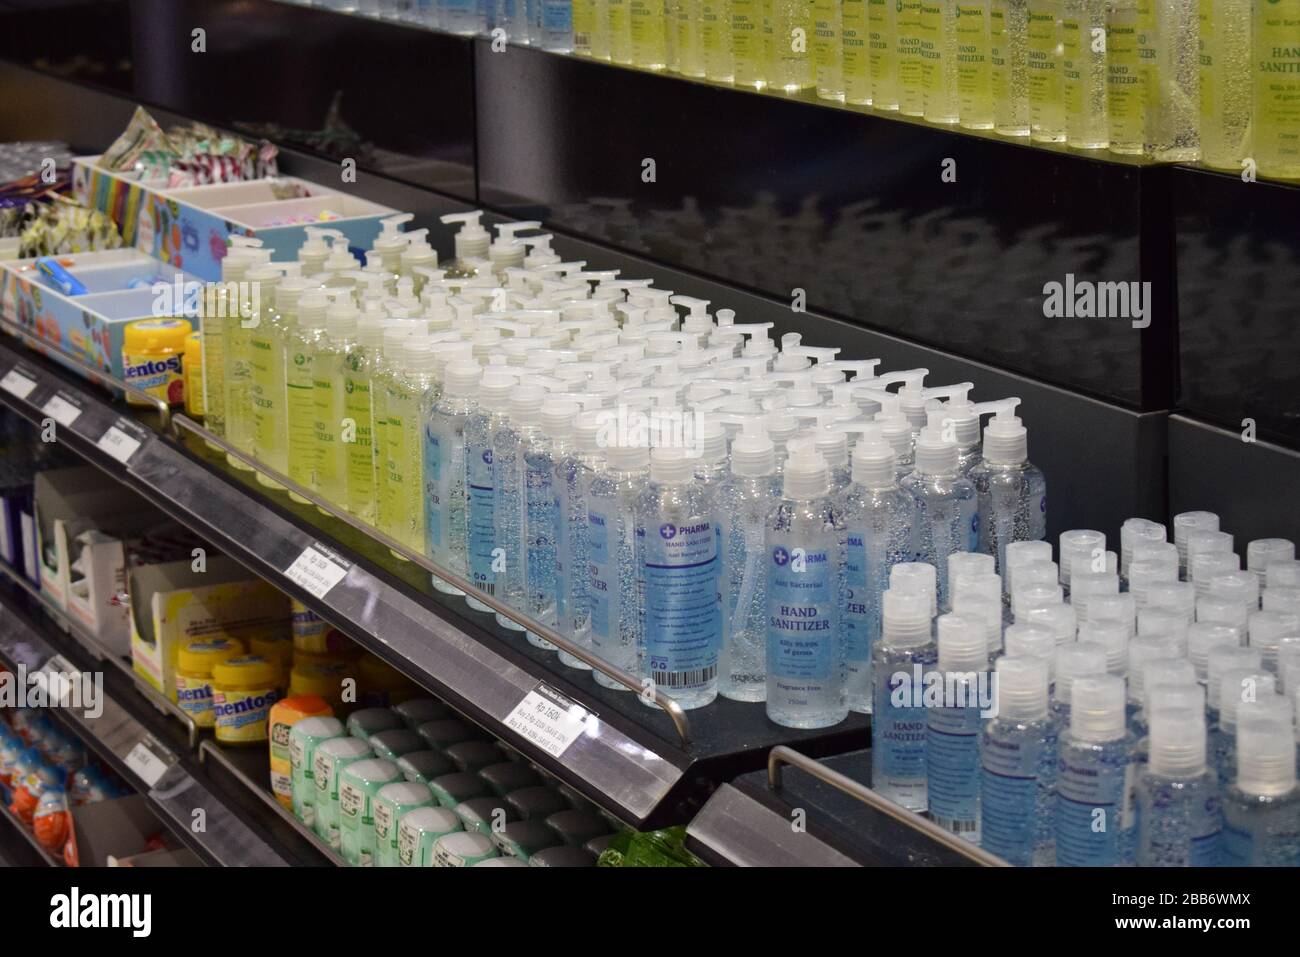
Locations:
(1121, 608)
(461, 378)
(1177, 748)
(1223, 610)
(1022, 688)
(1020, 553)
(1163, 621)
(1034, 596)
(1161, 672)
(1268, 628)
(1263, 552)
(1078, 546)
(1203, 637)
(984, 610)
(962, 645)
(1239, 586)
(1097, 708)
(1237, 687)
(1146, 648)
(1060, 619)
(1186, 523)
(1282, 599)
(1223, 659)
(1113, 638)
(1141, 575)
(1133, 531)
(905, 618)
(1178, 597)
(1206, 542)
(972, 584)
(1086, 584)
(1032, 641)
(1266, 756)
(807, 477)
(917, 578)
(1283, 574)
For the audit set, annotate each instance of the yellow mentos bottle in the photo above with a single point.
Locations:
(974, 82)
(649, 29)
(715, 38)
(1173, 90)
(911, 95)
(828, 53)
(748, 44)
(219, 300)
(193, 364)
(153, 358)
(938, 52)
(1276, 64)
(620, 31)
(1083, 74)
(689, 41)
(358, 369)
(266, 357)
(237, 380)
(882, 52)
(1043, 60)
(856, 62)
(334, 429)
(300, 351)
(1125, 95)
(791, 66)
(1226, 92)
(1008, 74)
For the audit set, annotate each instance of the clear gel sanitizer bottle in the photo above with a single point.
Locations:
(1180, 818)
(947, 516)
(952, 745)
(905, 652)
(445, 472)
(1011, 492)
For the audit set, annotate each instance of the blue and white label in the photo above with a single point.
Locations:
(898, 739)
(952, 754)
(1012, 798)
(436, 490)
(801, 638)
(542, 521)
(860, 628)
(682, 603)
(1090, 800)
(482, 517)
(602, 559)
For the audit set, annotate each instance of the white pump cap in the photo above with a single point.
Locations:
(472, 240)
(905, 618)
(628, 458)
(671, 466)
(558, 416)
(495, 389)
(1263, 552)
(874, 461)
(1006, 440)
(1177, 748)
(461, 378)
(807, 477)
(962, 646)
(391, 238)
(1022, 688)
(1186, 523)
(711, 438)
(934, 454)
(342, 317)
(1097, 708)
(1203, 637)
(508, 250)
(1112, 637)
(312, 307)
(916, 578)
(526, 403)
(370, 329)
(753, 454)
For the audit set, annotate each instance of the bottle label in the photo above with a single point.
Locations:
(482, 518)
(361, 463)
(1236, 846)
(1089, 813)
(897, 740)
(860, 631)
(952, 754)
(682, 606)
(1015, 799)
(801, 634)
(436, 501)
(602, 559)
(541, 521)
(563, 544)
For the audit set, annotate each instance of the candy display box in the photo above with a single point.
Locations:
(190, 228)
(122, 285)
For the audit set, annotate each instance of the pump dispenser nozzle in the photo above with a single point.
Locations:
(472, 239)
(1006, 440)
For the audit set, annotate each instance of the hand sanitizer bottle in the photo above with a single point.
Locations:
(905, 652)
(876, 515)
(744, 501)
(952, 744)
(611, 545)
(483, 555)
(327, 397)
(1238, 688)
(548, 511)
(1019, 756)
(1095, 820)
(1180, 818)
(511, 510)
(1012, 493)
(266, 368)
(445, 471)
(680, 566)
(805, 680)
(1261, 809)
(947, 516)
(471, 242)
(300, 350)
(577, 463)
(358, 368)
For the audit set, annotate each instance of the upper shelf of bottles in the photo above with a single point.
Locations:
(1128, 80)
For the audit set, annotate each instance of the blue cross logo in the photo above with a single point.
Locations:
(780, 555)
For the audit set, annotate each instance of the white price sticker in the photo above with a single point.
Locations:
(315, 572)
(62, 411)
(146, 764)
(17, 384)
(118, 444)
(548, 719)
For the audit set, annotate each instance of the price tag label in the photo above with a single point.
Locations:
(62, 411)
(61, 678)
(118, 444)
(315, 572)
(549, 719)
(149, 766)
(17, 384)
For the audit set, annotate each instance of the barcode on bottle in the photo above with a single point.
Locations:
(684, 679)
(957, 827)
(488, 588)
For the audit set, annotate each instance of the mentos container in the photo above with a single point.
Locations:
(194, 662)
(243, 690)
(152, 351)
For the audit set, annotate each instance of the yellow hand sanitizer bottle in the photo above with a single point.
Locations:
(1173, 87)
(333, 430)
(828, 53)
(266, 357)
(1277, 88)
(715, 37)
(974, 83)
(300, 350)
(649, 26)
(882, 52)
(1226, 82)
(911, 92)
(748, 44)
(1043, 62)
(855, 33)
(791, 68)
(1008, 73)
(937, 49)
(1083, 74)
(620, 30)
(358, 370)
(1125, 75)
(689, 38)
(241, 314)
